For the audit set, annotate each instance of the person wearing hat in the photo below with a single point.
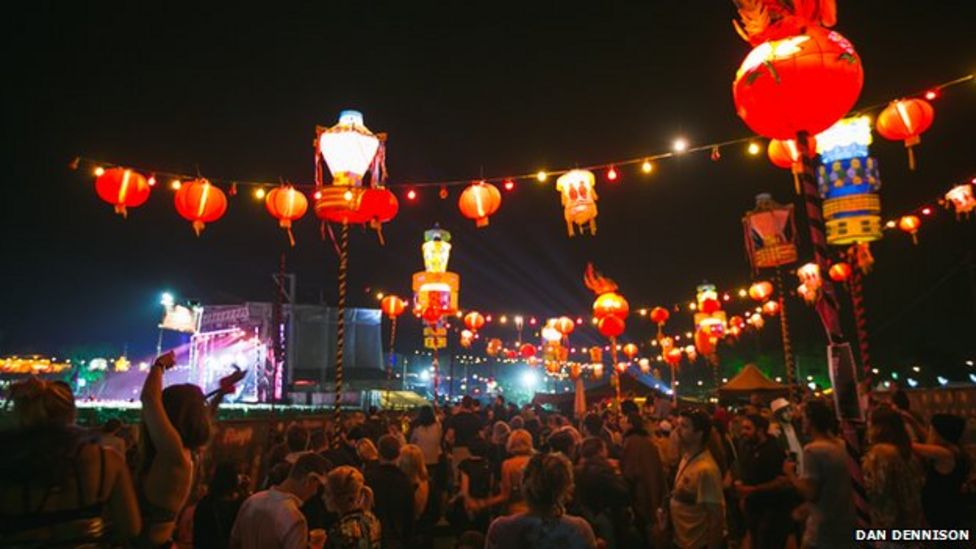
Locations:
(946, 469)
(784, 429)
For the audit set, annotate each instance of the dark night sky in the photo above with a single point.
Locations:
(237, 92)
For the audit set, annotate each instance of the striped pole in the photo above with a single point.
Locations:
(389, 368)
(852, 444)
(860, 320)
(785, 335)
(341, 327)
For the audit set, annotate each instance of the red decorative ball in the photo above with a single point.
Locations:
(611, 326)
(709, 306)
(659, 315)
(200, 202)
(839, 272)
(122, 188)
(527, 350)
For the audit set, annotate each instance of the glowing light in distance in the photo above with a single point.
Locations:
(541, 176)
(411, 194)
(529, 379)
(680, 145)
(259, 194)
(754, 148)
(647, 167)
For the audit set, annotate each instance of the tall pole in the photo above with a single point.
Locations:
(860, 320)
(785, 334)
(616, 373)
(341, 326)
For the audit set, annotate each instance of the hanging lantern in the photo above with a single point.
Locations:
(431, 314)
(378, 206)
(770, 308)
(494, 346)
(392, 306)
(350, 149)
(479, 201)
(436, 286)
(611, 326)
(784, 153)
(597, 370)
(691, 353)
(578, 190)
(552, 367)
(961, 198)
(596, 354)
(666, 344)
(770, 234)
(808, 294)
(757, 321)
(630, 351)
(910, 225)
(645, 365)
(709, 306)
(906, 120)
(551, 334)
(286, 204)
(704, 342)
(564, 325)
(474, 321)
(659, 315)
(840, 271)
(510, 354)
(467, 338)
(200, 202)
(122, 188)
(673, 357)
(798, 78)
(610, 304)
(574, 371)
(622, 366)
(527, 350)
(809, 274)
(849, 182)
(760, 291)
(737, 322)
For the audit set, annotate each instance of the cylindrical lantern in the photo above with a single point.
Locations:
(760, 291)
(962, 199)
(122, 188)
(849, 182)
(597, 370)
(286, 204)
(479, 201)
(493, 347)
(770, 234)
(349, 149)
(596, 354)
(200, 203)
(906, 120)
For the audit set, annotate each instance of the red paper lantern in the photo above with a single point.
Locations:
(510, 354)
(659, 315)
(339, 204)
(478, 201)
(122, 188)
(804, 82)
(630, 350)
(494, 346)
(839, 272)
(622, 366)
(771, 308)
(784, 153)
(378, 206)
(431, 315)
(527, 350)
(737, 322)
(286, 205)
(474, 321)
(709, 306)
(704, 342)
(200, 203)
(564, 325)
(906, 120)
(392, 306)
(673, 357)
(611, 304)
(611, 326)
(760, 291)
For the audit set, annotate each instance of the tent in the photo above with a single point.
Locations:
(631, 385)
(751, 380)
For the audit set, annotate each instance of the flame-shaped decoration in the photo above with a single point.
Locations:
(596, 282)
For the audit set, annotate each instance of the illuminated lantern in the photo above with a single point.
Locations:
(666, 344)
(622, 366)
(704, 342)
(910, 225)
(574, 371)
(756, 320)
(645, 365)
(286, 204)
(431, 315)
(737, 322)
(564, 325)
(200, 203)
(392, 306)
(551, 334)
(596, 354)
(597, 370)
(961, 198)
(691, 353)
(467, 338)
(630, 351)
(510, 354)
(784, 153)
(122, 188)
(760, 291)
(906, 120)
(341, 205)
(474, 321)
(771, 308)
(552, 367)
(493, 347)
(378, 206)
(810, 295)
(436, 287)
(709, 306)
(659, 315)
(673, 357)
(527, 350)
(797, 78)
(350, 149)
(809, 274)
(611, 326)
(839, 272)
(849, 182)
(608, 302)
(479, 201)
(578, 191)
(770, 234)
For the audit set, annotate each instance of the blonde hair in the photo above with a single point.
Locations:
(344, 487)
(411, 462)
(366, 450)
(38, 402)
(519, 443)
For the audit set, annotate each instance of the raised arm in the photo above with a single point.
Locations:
(943, 458)
(162, 433)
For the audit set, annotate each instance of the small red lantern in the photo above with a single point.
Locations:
(910, 225)
(200, 202)
(379, 205)
(622, 366)
(494, 346)
(784, 153)
(840, 271)
(610, 304)
(737, 322)
(771, 308)
(630, 351)
(709, 306)
(510, 354)
(564, 325)
(479, 201)
(392, 306)
(474, 321)
(527, 350)
(611, 326)
(673, 356)
(906, 120)
(704, 342)
(122, 188)
(659, 315)
(760, 291)
(286, 204)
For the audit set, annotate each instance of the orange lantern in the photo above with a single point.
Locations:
(564, 325)
(597, 370)
(122, 188)
(905, 120)
(474, 321)
(479, 201)
(610, 304)
(771, 308)
(574, 371)
(760, 291)
(910, 225)
(784, 153)
(493, 347)
(527, 350)
(962, 199)
(611, 326)
(552, 367)
(673, 357)
(659, 315)
(467, 337)
(645, 365)
(622, 366)
(840, 271)
(596, 354)
(737, 322)
(392, 306)
(704, 342)
(630, 351)
(200, 202)
(286, 205)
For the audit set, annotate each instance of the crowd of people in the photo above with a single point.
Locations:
(494, 475)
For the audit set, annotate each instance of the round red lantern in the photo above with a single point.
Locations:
(704, 342)
(771, 308)
(392, 306)
(622, 366)
(122, 188)
(493, 347)
(784, 153)
(659, 315)
(611, 304)
(840, 271)
(479, 201)
(564, 325)
(286, 205)
(474, 321)
(910, 225)
(378, 206)
(709, 306)
(611, 326)
(200, 202)
(737, 322)
(630, 351)
(510, 354)
(673, 357)
(799, 83)
(905, 120)
(527, 350)
(760, 291)
(339, 204)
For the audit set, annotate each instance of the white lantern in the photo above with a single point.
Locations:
(349, 149)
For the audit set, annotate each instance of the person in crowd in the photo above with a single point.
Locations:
(110, 436)
(375, 425)
(296, 440)
(947, 467)
(344, 453)
(499, 411)
(603, 496)
(785, 430)
(669, 452)
(826, 482)
(393, 495)
(476, 482)
(763, 487)
(548, 485)
(411, 462)
(58, 485)
(368, 454)
(893, 476)
(216, 512)
(426, 433)
(461, 428)
(640, 463)
(347, 495)
(563, 440)
(593, 426)
(272, 518)
(510, 484)
(913, 422)
(697, 504)
(318, 441)
(395, 430)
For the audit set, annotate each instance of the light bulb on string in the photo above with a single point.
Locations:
(680, 145)
(411, 194)
(99, 171)
(647, 167)
(754, 148)
(612, 174)
(259, 193)
(151, 181)
(508, 184)
(932, 94)
(175, 184)
(541, 176)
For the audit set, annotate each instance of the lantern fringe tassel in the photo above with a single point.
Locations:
(198, 227)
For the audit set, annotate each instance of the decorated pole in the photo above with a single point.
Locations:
(785, 335)
(611, 310)
(341, 320)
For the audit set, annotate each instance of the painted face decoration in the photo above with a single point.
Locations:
(578, 190)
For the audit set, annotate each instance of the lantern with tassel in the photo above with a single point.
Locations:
(906, 120)
(760, 291)
(474, 321)
(286, 204)
(436, 288)
(630, 351)
(122, 188)
(840, 271)
(200, 203)
(578, 191)
(784, 153)
(479, 201)
(961, 198)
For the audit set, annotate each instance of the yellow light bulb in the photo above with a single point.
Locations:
(259, 194)
(175, 184)
(541, 176)
(647, 167)
(99, 171)
(754, 148)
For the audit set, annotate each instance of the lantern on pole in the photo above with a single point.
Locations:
(392, 306)
(910, 224)
(784, 153)
(611, 309)
(906, 120)
(770, 234)
(578, 191)
(849, 183)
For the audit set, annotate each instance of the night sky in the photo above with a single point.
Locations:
(236, 93)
